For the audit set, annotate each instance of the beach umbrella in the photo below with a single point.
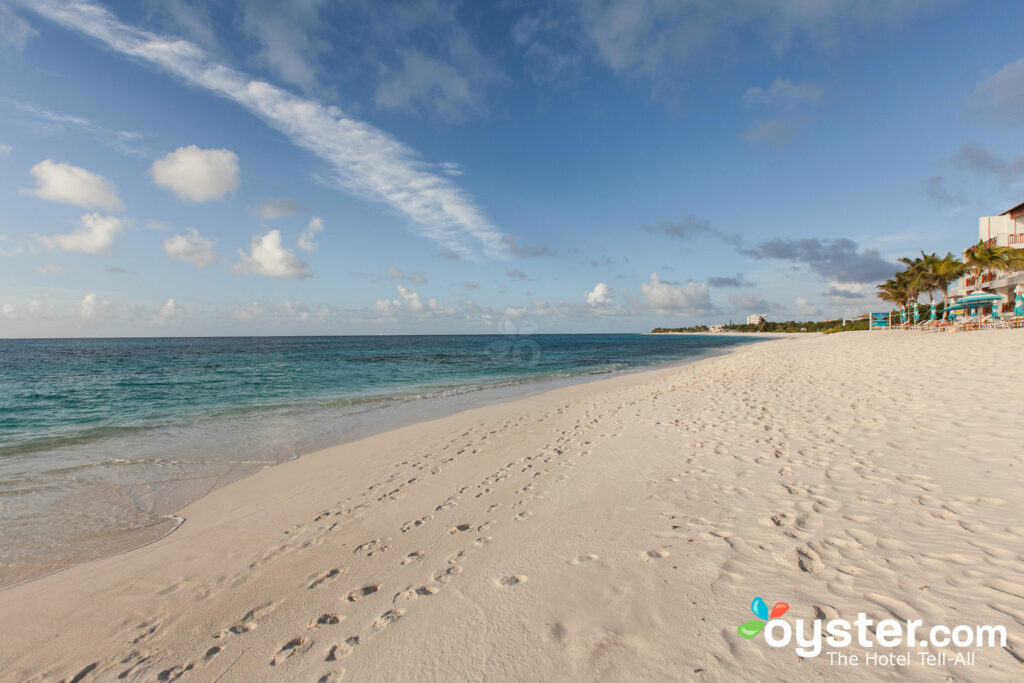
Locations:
(934, 312)
(917, 313)
(996, 305)
(1018, 300)
(978, 299)
(903, 314)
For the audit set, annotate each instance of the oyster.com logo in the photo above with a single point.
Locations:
(760, 609)
(885, 642)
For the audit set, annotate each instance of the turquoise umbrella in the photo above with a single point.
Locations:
(903, 314)
(951, 310)
(1018, 301)
(917, 313)
(934, 312)
(996, 305)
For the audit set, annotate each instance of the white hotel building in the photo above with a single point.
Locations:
(1004, 230)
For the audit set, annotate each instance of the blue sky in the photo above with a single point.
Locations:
(314, 167)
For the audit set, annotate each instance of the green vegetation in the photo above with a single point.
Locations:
(931, 273)
(926, 274)
(826, 326)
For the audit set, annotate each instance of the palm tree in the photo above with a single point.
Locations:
(982, 257)
(948, 269)
(893, 290)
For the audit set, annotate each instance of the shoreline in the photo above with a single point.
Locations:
(612, 529)
(404, 413)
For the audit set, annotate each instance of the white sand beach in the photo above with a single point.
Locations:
(615, 530)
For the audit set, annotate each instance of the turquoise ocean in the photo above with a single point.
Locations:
(101, 440)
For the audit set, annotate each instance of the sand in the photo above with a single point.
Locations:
(616, 530)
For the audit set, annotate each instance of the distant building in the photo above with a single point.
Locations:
(756, 318)
(1004, 230)
(717, 328)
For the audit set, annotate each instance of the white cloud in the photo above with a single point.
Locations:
(409, 302)
(691, 298)
(197, 175)
(273, 208)
(804, 307)
(5, 150)
(307, 240)
(1001, 95)
(750, 302)
(654, 38)
(427, 84)
(88, 306)
(94, 237)
(191, 248)
(601, 295)
(270, 259)
(396, 273)
(365, 160)
(783, 93)
(14, 30)
(50, 269)
(167, 313)
(67, 184)
(8, 310)
(281, 31)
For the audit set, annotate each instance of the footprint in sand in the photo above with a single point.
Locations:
(290, 649)
(583, 558)
(412, 557)
(388, 618)
(460, 528)
(513, 579)
(246, 623)
(411, 593)
(446, 575)
(655, 555)
(343, 650)
(371, 548)
(172, 674)
(360, 593)
(329, 576)
(324, 620)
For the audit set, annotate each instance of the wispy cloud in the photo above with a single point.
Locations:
(364, 160)
(14, 30)
(691, 227)
(773, 132)
(1001, 95)
(783, 93)
(750, 302)
(50, 122)
(832, 259)
(935, 187)
(272, 208)
(726, 281)
(984, 161)
(516, 248)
